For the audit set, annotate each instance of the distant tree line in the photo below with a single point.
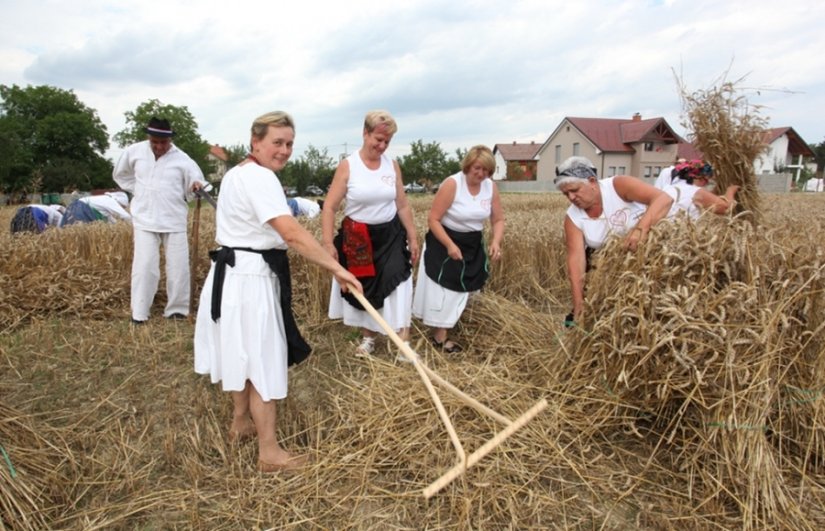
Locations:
(51, 142)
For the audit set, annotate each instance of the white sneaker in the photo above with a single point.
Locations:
(366, 347)
(403, 357)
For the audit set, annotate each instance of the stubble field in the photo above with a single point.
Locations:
(689, 397)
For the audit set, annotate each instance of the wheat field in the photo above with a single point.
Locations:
(688, 397)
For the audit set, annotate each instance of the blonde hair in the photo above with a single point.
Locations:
(260, 127)
(380, 120)
(481, 154)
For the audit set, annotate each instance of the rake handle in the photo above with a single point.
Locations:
(485, 449)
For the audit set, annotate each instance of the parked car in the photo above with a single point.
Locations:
(415, 188)
(290, 191)
(314, 190)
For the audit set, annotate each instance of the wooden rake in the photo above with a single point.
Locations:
(428, 376)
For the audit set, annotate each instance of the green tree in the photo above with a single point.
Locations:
(454, 164)
(49, 138)
(321, 166)
(426, 163)
(183, 123)
(296, 174)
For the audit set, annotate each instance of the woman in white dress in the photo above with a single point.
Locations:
(454, 262)
(377, 240)
(601, 208)
(245, 334)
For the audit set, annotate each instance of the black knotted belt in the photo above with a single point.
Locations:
(278, 261)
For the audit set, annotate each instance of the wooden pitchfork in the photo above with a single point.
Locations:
(428, 375)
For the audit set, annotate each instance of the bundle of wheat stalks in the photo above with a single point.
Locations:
(708, 346)
(730, 133)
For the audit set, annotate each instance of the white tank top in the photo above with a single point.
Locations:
(618, 216)
(370, 193)
(682, 194)
(468, 212)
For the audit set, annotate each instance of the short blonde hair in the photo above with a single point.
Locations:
(260, 127)
(481, 154)
(380, 119)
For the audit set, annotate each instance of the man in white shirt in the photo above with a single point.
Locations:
(161, 178)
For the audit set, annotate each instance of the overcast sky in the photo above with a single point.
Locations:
(455, 72)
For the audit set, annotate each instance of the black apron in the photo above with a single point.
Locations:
(468, 274)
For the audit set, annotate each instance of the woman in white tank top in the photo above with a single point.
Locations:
(622, 206)
(454, 263)
(377, 240)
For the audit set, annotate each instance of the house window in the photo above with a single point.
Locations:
(622, 170)
(611, 171)
(657, 170)
(648, 146)
(576, 147)
(558, 154)
(648, 171)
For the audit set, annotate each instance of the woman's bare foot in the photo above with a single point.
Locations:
(276, 460)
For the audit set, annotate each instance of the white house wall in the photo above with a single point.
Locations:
(565, 136)
(501, 167)
(776, 156)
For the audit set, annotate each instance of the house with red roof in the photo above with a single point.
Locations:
(219, 159)
(516, 162)
(634, 146)
(786, 152)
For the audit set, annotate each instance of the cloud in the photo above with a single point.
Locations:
(458, 73)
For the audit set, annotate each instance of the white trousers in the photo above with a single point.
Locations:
(146, 272)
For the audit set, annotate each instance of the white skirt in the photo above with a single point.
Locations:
(434, 304)
(248, 341)
(397, 310)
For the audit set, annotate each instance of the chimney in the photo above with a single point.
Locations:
(637, 117)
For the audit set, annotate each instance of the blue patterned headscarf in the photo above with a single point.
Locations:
(573, 169)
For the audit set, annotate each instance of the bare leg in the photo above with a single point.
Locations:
(440, 335)
(242, 426)
(270, 454)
